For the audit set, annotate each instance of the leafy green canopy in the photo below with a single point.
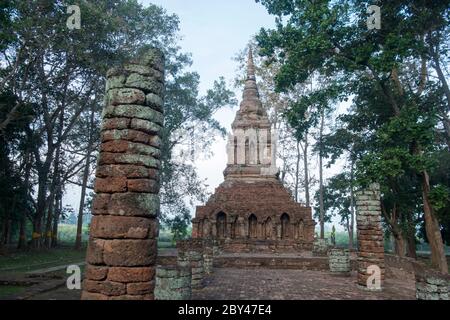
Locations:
(61, 74)
(393, 128)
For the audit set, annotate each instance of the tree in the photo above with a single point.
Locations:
(60, 73)
(332, 38)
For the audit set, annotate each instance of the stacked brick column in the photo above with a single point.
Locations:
(320, 247)
(173, 283)
(370, 234)
(190, 253)
(208, 256)
(430, 283)
(122, 246)
(339, 261)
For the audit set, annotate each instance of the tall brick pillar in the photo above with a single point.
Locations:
(370, 237)
(122, 246)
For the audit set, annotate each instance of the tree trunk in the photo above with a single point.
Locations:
(3, 234)
(36, 241)
(80, 210)
(352, 210)
(55, 184)
(396, 232)
(297, 171)
(58, 210)
(321, 205)
(411, 245)
(445, 87)
(8, 223)
(8, 235)
(400, 245)
(432, 228)
(305, 168)
(22, 243)
(84, 183)
(49, 219)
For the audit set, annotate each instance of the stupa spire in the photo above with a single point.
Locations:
(250, 65)
(251, 108)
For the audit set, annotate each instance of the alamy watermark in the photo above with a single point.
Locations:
(74, 280)
(374, 20)
(374, 281)
(74, 21)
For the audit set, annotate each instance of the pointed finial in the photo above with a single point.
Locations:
(250, 65)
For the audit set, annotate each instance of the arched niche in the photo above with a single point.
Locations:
(285, 226)
(268, 228)
(221, 225)
(252, 226)
(235, 150)
(247, 151)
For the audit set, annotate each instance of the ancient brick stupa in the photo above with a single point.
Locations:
(251, 210)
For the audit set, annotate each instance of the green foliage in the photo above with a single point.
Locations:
(392, 132)
(337, 199)
(67, 233)
(59, 75)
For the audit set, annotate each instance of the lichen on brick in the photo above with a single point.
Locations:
(144, 83)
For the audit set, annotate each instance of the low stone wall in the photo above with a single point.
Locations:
(339, 261)
(173, 283)
(196, 262)
(190, 253)
(431, 284)
(261, 246)
(320, 247)
(299, 263)
(208, 260)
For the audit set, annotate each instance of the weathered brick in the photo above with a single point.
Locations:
(108, 288)
(96, 273)
(85, 295)
(127, 274)
(126, 134)
(125, 170)
(106, 158)
(110, 185)
(115, 123)
(94, 253)
(146, 126)
(144, 83)
(143, 185)
(100, 203)
(118, 227)
(134, 204)
(139, 288)
(154, 101)
(129, 253)
(125, 96)
(134, 111)
(122, 146)
(153, 58)
(133, 297)
(144, 70)
(115, 81)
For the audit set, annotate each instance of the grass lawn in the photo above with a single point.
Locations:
(34, 260)
(6, 291)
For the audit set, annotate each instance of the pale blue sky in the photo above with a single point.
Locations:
(214, 31)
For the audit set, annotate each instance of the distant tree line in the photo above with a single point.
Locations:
(396, 131)
(52, 83)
